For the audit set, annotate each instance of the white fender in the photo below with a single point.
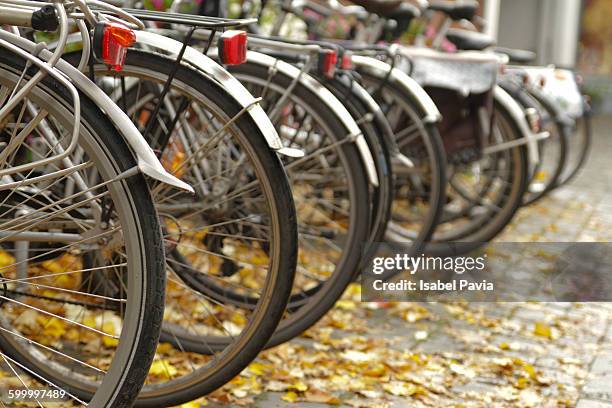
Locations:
(380, 69)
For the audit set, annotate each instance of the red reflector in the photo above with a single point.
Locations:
(233, 47)
(121, 35)
(327, 62)
(111, 41)
(347, 60)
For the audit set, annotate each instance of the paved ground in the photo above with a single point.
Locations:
(459, 355)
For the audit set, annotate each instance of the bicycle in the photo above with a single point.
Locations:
(73, 185)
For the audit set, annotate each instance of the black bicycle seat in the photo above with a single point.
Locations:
(380, 7)
(517, 56)
(403, 16)
(469, 40)
(457, 10)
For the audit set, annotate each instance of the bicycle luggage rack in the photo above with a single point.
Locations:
(23, 87)
(187, 19)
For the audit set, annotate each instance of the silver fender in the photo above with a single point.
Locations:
(329, 99)
(516, 111)
(217, 73)
(147, 161)
(381, 69)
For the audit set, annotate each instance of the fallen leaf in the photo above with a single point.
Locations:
(298, 386)
(321, 397)
(421, 335)
(163, 369)
(400, 389)
(542, 330)
(290, 397)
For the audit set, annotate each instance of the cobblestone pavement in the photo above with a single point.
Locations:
(460, 355)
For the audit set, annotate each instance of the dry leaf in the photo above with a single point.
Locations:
(290, 397)
(321, 397)
(542, 330)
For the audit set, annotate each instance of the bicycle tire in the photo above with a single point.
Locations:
(132, 199)
(560, 136)
(489, 227)
(585, 143)
(234, 354)
(382, 195)
(310, 305)
(434, 151)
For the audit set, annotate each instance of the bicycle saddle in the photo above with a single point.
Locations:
(517, 56)
(403, 16)
(469, 40)
(380, 7)
(457, 10)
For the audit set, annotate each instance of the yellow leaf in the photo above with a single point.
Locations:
(6, 259)
(377, 371)
(290, 397)
(542, 330)
(345, 304)
(53, 266)
(110, 327)
(541, 176)
(258, 368)
(162, 368)
(54, 328)
(522, 383)
(191, 404)
(165, 348)
(239, 319)
(298, 386)
(529, 370)
(504, 346)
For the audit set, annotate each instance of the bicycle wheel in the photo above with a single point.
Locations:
(419, 188)
(579, 146)
(552, 151)
(231, 248)
(84, 341)
(330, 190)
(484, 194)
(348, 91)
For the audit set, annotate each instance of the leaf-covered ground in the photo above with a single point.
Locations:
(453, 355)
